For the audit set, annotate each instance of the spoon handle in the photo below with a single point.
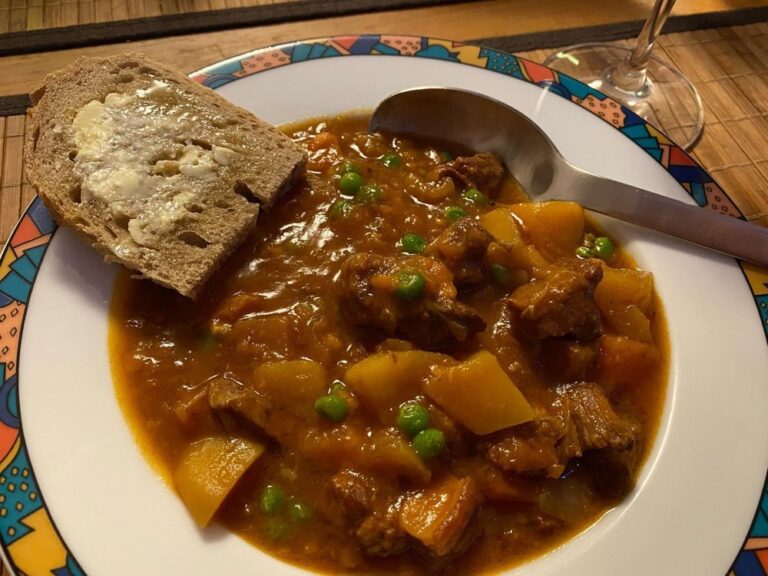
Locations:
(704, 227)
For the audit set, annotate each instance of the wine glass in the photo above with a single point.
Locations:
(649, 87)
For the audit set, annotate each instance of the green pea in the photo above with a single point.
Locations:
(604, 247)
(412, 418)
(445, 156)
(585, 252)
(368, 194)
(340, 209)
(276, 529)
(474, 196)
(206, 340)
(391, 160)
(347, 167)
(413, 243)
(410, 286)
(272, 499)
(500, 274)
(350, 183)
(332, 407)
(299, 511)
(429, 443)
(453, 213)
(338, 386)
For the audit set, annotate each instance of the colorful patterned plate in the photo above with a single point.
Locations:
(77, 496)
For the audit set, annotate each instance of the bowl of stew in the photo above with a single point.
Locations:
(409, 368)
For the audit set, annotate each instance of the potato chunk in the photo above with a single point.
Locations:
(438, 517)
(624, 361)
(208, 471)
(555, 228)
(625, 299)
(386, 379)
(479, 394)
(622, 287)
(629, 321)
(387, 451)
(292, 385)
(503, 224)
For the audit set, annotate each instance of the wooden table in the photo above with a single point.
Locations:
(729, 66)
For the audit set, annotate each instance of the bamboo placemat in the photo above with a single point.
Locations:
(23, 15)
(34, 26)
(729, 67)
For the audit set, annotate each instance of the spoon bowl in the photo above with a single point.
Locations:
(488, 125)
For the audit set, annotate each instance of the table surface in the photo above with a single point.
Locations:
(728, 65)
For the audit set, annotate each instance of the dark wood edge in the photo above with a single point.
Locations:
(17, 104)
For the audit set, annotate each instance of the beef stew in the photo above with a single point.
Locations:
(408, 369)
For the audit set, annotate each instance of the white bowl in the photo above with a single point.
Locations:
(76, 493)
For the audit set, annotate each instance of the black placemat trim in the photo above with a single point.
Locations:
(14, 105)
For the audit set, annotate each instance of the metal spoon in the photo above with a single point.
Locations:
(485, 124)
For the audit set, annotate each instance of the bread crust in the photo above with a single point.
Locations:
(225, 212)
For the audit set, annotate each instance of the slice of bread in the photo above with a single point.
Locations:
(155, 171)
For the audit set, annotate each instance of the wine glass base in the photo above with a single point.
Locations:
(663, 96)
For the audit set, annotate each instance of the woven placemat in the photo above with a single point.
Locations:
(25, 15)
(29, 26)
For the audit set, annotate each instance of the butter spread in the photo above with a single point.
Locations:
(135, 154)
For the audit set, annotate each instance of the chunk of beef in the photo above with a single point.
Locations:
(570, 361)
(435, 520)
(482, 171)
(355, 492)
(372, 504)
(498, 485)
(462, 247)
(611, 472)
(561, 302)
(228, 397)
(435, 320)
(380, 533)
(438, 517)
(240, 405)
(579, 420)
(597, 425)
(532, 448)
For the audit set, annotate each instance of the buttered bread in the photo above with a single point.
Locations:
(156, 172)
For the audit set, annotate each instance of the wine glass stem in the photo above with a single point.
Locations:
(631, 74)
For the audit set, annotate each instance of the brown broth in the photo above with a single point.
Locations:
(163, 353)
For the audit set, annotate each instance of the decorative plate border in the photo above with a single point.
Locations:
(30, 541)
